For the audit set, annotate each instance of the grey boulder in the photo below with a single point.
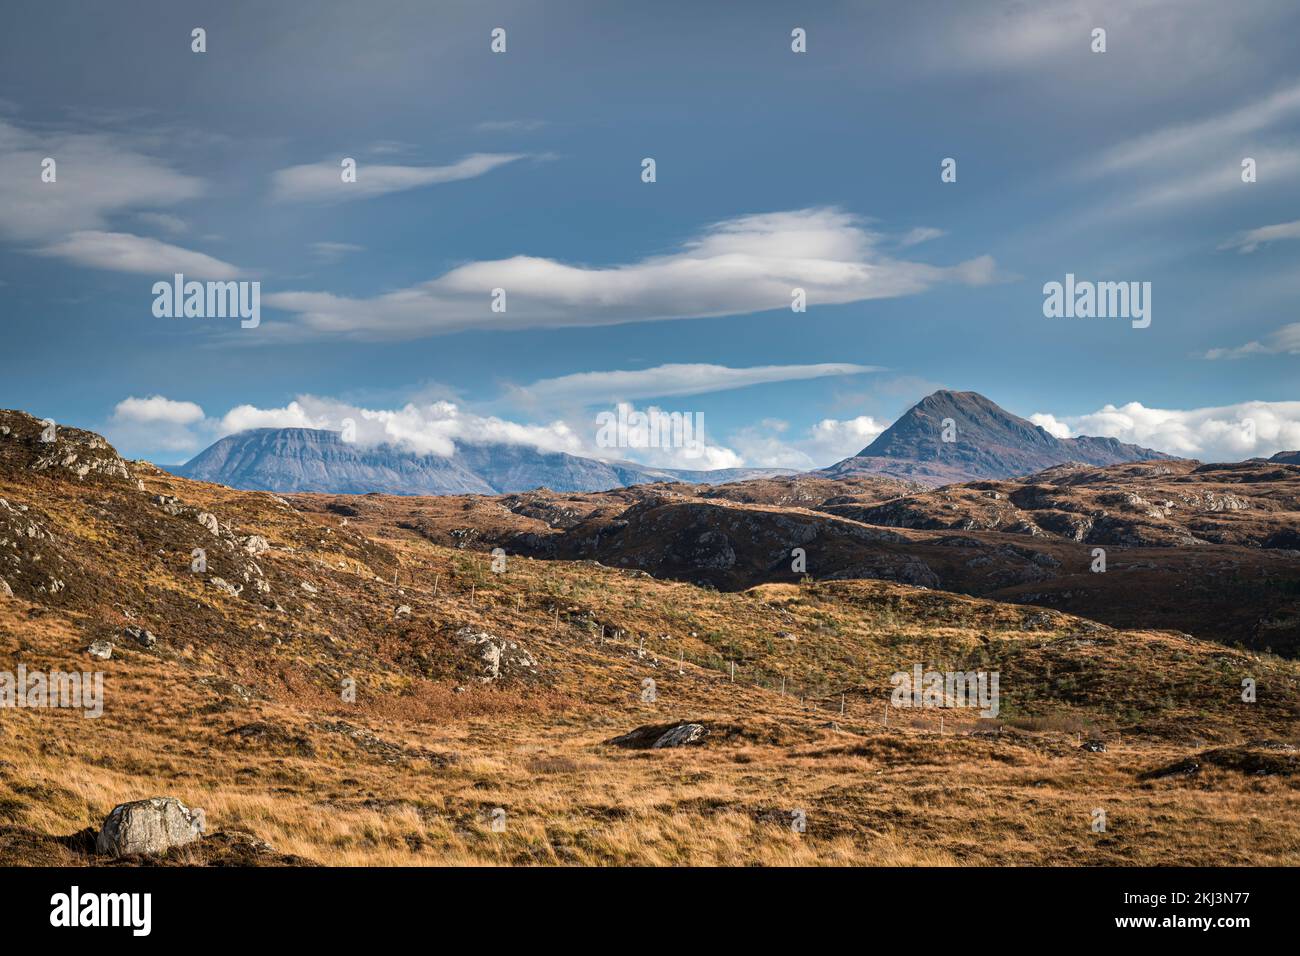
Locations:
(149, 827)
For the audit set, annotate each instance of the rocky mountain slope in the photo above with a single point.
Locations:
(307, 459)
(986, 441)
(331, 684)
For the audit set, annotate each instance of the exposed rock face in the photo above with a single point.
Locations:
(987, 442)
(149, 827)
(499, 658)
(680, 736)
(305, 459)
(100, 650)
(659, 736)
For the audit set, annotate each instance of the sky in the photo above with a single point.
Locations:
(774, 170)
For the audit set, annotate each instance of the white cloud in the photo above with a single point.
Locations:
(323, 181)
(157, 423)
(246, 417)
(824, 443)
(1252, 239)
(428, 428)
(683, 440)
(1224, 433)
(157, 409)
(739, 266)
(1050, 424)
(124, 252)
(675, 379)
(1285, 340)
(98, 175)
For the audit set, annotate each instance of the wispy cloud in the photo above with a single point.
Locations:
(509, 126)
(334, 251)
(664, 381)
(97, 175)
(323, 181)
(738, 266)
(124, 252)
(920, 234)
(164, 221)
(1284, 341)
(1201, 160)
(1252, 239)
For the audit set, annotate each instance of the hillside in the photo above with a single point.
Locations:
(518, 696)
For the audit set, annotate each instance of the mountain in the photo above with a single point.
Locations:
(311, 460)
(987, 441)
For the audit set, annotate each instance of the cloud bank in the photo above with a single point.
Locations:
(735, 267)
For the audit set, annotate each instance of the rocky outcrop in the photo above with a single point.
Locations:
(497, 658)
(46, 446)
(660, 736)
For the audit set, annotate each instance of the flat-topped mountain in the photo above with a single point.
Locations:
(313, 460)
(951, 436)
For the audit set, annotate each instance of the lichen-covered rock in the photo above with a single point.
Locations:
(680, 736)
(100, 650)
(149, 827)
(499, 658)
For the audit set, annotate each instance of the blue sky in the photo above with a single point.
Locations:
(522, 170)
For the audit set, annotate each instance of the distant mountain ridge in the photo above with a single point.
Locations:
(313, 460)
(987, 442)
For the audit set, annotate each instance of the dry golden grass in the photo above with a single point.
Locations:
(422, 787)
